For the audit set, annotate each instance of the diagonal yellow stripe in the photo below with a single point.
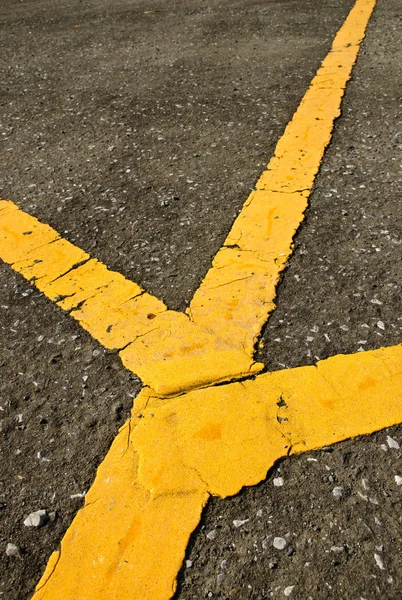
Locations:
(163, 347)
(240, 286)
(172, 352)
(129, 540)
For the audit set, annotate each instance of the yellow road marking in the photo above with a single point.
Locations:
(130, 539)
(163, 347)
(241, 284)
(169, 351)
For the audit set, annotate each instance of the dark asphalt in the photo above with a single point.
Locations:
(137, 129)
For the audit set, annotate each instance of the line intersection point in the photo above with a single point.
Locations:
(188, 437)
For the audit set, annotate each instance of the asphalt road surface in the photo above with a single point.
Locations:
(137, 129)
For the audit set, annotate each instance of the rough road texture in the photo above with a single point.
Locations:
(136, 130)
(331, 541)
(340, 293)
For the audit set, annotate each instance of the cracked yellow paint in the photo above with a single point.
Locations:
(163, 347)
(129, 540)
(172, 352)
(237, 294)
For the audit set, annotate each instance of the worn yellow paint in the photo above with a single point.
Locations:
(127, 523)
(238, 292)
(241, 284)
(129, 540)
(163, 347)
(172, 352)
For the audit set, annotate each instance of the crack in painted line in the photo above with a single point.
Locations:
(129, 541)
(236, 297)
(177, 456)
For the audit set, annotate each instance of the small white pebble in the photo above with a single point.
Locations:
(380, 325)
(374, 501)
(398, 480)
(189, 564)
(288, 590)
(238, 523)
(278, 481)
(211, 535)
(259, 513)
(379, 562)
(392, 443)
(312, 460)
(337, 549)
(279, 543)
(13, 550)
(36, 519)
(377, 521)
(365, 484)
(337, 492)
(384, 447)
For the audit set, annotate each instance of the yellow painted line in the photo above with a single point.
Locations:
(238, 292)
(172, 352)
(163, 347)
(129, 540)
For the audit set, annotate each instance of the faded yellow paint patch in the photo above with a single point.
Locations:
(128, 542)
(210, 432)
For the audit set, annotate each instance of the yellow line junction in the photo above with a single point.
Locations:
(188, 437)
